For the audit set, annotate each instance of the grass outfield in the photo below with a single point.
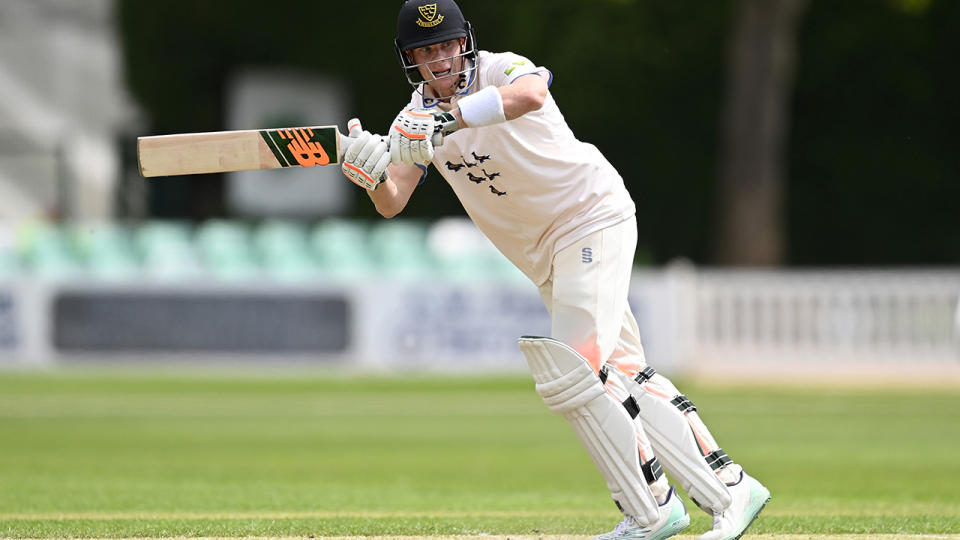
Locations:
(132, 455)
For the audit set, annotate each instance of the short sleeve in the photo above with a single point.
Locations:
(504, 68)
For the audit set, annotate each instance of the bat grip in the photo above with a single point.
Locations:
(346, 140)
(447, 125)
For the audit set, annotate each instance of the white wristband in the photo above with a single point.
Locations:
(483, 108)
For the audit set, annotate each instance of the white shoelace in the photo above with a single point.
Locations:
(624, 525)
(628, 523)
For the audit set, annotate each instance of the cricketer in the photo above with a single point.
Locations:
(560, 212)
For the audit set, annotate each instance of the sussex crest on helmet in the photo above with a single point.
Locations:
(429, 14)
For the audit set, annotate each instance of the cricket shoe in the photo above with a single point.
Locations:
(749, 498)
(673, 519)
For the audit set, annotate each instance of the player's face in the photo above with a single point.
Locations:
(440, 66)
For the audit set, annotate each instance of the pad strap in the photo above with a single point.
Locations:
(630, 404)
(651, 470)
(645, 375)
(683, 403)
(718, 459)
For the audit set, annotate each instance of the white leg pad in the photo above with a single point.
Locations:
(570, 387)
(676, 447)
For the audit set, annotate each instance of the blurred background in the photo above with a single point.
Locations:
(794, 165)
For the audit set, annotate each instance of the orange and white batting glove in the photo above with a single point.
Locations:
(366, 158)
(411, 137)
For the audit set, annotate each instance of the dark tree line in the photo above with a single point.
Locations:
(804, 132)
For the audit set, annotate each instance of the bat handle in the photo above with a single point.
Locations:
(447, 125)
(346, 140)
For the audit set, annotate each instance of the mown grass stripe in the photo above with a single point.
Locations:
(320, 514)
(878, 511)
(564, 537)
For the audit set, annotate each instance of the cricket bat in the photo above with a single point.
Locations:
(227, 151)
(246, 150)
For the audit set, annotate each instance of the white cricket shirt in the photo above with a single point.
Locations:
(528, 183)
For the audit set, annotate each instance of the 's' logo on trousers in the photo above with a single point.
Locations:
(586, 255)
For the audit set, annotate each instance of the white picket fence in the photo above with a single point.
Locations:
(854, 321)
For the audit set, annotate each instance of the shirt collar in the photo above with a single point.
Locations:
(462, 89)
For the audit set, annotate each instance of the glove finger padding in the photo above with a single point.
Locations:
(426, 152)
(416, 151)
(354, 128)
(362, 157)
(377, 151)
(369, 145)
(396, 155)
(358, 177)
(412, 132)
(380, 167)
(405, 154)
(353, 150)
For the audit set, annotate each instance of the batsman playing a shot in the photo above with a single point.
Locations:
(560, 212)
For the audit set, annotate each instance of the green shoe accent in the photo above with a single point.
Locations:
(759, 496)
(678, 521)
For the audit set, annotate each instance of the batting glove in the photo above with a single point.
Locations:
(416, 132)
(365, 160)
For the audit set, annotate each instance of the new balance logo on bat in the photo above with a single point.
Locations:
(300, 146)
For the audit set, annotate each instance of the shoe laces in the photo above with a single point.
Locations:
(629, 522)
(718, 519)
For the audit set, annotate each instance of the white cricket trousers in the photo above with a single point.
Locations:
(586, 296)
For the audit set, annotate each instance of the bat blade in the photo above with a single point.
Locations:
(227, 151)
